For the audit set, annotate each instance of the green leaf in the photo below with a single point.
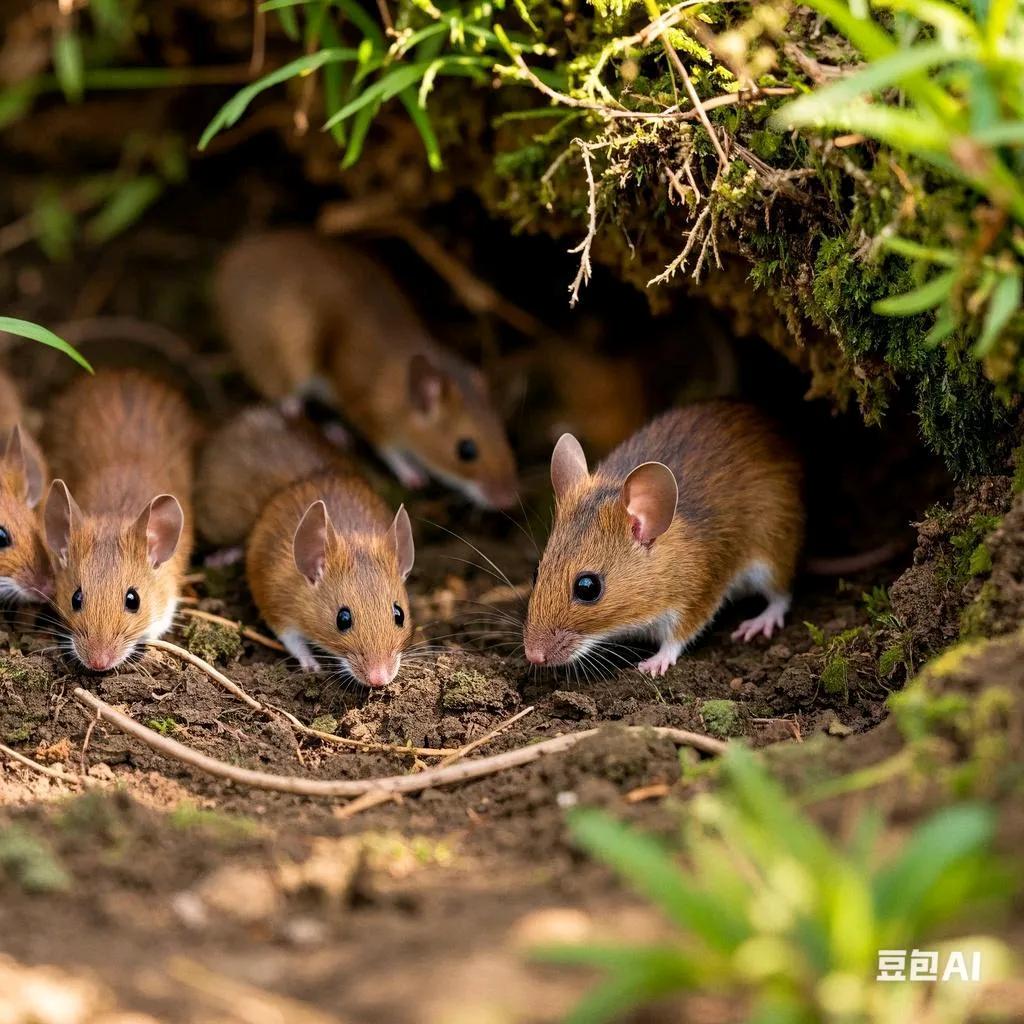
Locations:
(421, 119)
(943, 328)
(125, 206)
(950, 836)
(901, 129)
(357, 137)
(230, 113)
(1004, 302)
(950, 20)
(1003, 133)
(649, 868)
(882, 73)
(290, 23)
(68, 64)
(34, 332)
(928, 296)
(915, 251)
(16, 101)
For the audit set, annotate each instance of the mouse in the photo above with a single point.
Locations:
(702, 505)
(26, 575)
(244, 463)
(117, 517)
(305, 317)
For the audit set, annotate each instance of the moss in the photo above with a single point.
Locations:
(30, 863)
(165, 726)
(466, 689)
(971, 557)
(1018, 469)
(835, 676)
(325, 723)
(975, 619)
(23, 672)
(213, 642)
(188, 817)
(722, 718)
(891, 658)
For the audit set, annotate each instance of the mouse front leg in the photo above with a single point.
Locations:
(668, 653)
(404, 468)
(295, 644)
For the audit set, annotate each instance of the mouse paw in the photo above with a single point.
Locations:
(660, 662)
(309, 664)
(225, 557)
(765, 624)
(292, 407)
(337, 435)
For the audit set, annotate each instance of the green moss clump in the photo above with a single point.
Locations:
(722, 718)
(29, 862)
(325, 723)
(466, 689)
(971, 556)
(835, 676)
(188, 817)
(213, 642)
(22, 672)
(975, 618)
(165, 726)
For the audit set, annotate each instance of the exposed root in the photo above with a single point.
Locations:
(334, 788)
(583, 274)
(486, 738)
(52, 773)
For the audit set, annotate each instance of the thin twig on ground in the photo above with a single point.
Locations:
(53, 773)
(486, 738)
(334, 788)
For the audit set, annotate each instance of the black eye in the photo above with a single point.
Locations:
(5, 537)
(399, 614)
(466, 449)
(344, 619)
(131, 600)
(587, 588)
(76, 600)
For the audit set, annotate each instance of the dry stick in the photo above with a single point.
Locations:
(364, 803)
(249, 634)
(53, 773)
(583, 274)
(333, 788)
(268, 709)
(486, 738)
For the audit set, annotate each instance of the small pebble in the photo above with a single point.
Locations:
(567, 799)
(735, 684)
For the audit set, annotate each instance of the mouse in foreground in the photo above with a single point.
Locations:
(26, 574)
(117, 517)
(701, 506)
(325, 560)
(306, 317)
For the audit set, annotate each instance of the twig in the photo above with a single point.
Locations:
(249, 634)
(205, 666)
(364, 803)
(333, 788)
(85, 745)
(583, 274)
(270, 709)
(53, 773)
(486, 738)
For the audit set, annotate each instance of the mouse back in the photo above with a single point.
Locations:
(251, 458)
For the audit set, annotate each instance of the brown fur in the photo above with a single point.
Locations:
(245, 463)
(739, 502)
(25, 570)
(361, 572)
(295, 308)
(118, 440)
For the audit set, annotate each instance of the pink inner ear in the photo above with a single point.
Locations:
(650, 494)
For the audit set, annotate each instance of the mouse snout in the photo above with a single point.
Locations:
(556, 647)
(378, 673)
(535, 654)
(102, 660)
(501, 496)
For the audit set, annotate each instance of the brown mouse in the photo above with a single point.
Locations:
(121, 443)
(25, 570)
(304, 316)
(247, 461)
(702, 505)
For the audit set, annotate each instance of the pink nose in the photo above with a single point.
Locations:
(535, 656)
(101, 661)
(378, 676)
(502, 497)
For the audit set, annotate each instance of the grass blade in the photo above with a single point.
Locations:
(928, 296)
(35, 332)
(1005, 301)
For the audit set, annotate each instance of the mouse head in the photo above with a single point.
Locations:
(454, 432)
(352, 598)
(603, 570)
(25, 570)
(116, 577)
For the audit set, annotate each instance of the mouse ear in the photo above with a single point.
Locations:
(568, 465)
(23, 457)
(650, 495)
(59, 514)
(401, 536)
(427, 385)
(161, 523)
(309, 545)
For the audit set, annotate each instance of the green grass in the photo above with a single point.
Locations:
(35, 332)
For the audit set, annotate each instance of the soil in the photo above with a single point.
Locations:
(166, 892)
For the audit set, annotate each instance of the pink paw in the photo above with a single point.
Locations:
(765, 624)
(658, 664)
